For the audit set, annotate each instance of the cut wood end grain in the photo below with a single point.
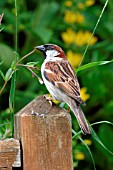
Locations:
(41, 106)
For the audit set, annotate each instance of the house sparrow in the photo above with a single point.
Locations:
(61, 81)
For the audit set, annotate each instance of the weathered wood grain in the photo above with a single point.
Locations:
(45, 136)
(9, 154)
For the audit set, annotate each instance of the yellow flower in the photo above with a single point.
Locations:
(68, 3)
(81, 5)
(72, 17)
(94, 40)
(68, 36)
(74, 58)
(80, 18)
(85, 4)
(79, 156)
(88, 142)
(83, 37)
(83, 94)
(89, 2)
(80, 38)
(87, 36)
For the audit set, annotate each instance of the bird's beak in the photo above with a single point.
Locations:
(40, 48)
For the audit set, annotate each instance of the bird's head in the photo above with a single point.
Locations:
(51, 50)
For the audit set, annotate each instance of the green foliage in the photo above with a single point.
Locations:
(25, 25)
(87, 147)
(6, 54)
(92, 64)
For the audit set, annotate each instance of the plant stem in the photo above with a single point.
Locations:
(13, 79)
(34, 74)
(26, 56)
(5, 82)
(16, 31)
(18, 65)
(30, 68)
(23, 65)
(1, 16)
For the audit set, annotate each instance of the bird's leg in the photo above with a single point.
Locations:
(49, 98)
(68, 110)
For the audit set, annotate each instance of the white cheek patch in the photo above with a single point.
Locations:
(51, 53)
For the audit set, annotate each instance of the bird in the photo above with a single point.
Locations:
(61, 81)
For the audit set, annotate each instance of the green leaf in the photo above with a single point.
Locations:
(106, 139)
(1, 29)
(45, 34)
(95, 137)
(92, 64)
(1, 63)
(42, 23)
(9, 74)
(13, 65)
(3, 124)
(2, 74)
(32, 64)
(76, 134)
(6, 54)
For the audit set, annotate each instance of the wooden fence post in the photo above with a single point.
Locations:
(9, 154)
(45, 135)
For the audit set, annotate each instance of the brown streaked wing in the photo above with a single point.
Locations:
(61, 74)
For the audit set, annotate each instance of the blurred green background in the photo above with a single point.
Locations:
(69, 24)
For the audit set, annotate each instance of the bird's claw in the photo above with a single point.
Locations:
(49, 99)
(37, 114)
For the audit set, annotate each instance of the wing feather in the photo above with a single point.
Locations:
(61, 74)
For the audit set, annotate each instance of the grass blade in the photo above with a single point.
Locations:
(94, 31)
(100, 122)
(96, 138)
(85, 146)
(76, 134)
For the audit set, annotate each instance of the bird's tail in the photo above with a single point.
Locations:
(82, 121)
(80, 117)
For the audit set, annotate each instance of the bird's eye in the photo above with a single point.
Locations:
(49, 47)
